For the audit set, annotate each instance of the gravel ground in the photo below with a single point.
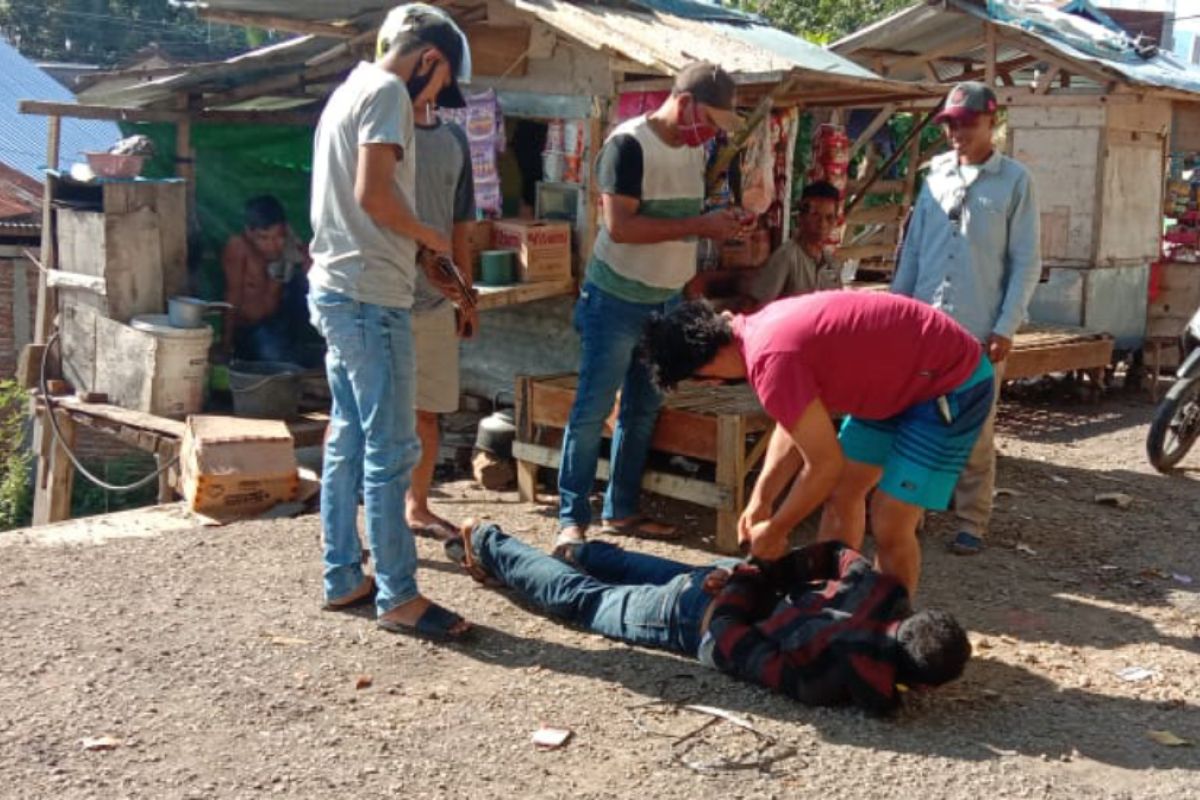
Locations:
(203, 654)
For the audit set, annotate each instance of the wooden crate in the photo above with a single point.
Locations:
(723, 425)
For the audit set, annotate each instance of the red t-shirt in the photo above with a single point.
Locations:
(870, 355)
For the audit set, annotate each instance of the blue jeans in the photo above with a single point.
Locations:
(636, 598)
(372, 443)
(609, 329)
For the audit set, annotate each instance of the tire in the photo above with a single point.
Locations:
(1176, 425)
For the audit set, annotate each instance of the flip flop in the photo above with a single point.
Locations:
(637, 528)
(435, 624)
(441, 530)
(966, 544)
(354, 600)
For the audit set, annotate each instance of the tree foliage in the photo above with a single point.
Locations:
(106, 32)
(824, 21)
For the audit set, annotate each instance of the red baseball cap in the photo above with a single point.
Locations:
(967, 101)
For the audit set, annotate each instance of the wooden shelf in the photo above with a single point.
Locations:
(500, 296)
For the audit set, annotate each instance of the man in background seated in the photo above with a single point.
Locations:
(802, 264)
(819, 625)
(266, 282)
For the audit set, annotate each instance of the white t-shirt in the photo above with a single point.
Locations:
(351, 254)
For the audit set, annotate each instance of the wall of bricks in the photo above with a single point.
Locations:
(18, 306)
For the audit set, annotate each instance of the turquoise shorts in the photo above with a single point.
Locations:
(920, 451)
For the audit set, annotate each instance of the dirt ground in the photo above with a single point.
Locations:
(204, 655)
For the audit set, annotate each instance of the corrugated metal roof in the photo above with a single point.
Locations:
(925, 29)
(659, 35)
(23, 136)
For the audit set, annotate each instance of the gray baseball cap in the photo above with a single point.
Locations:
(712, 86)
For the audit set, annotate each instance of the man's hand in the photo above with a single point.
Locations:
(434, 240)
(998, 348)
(714, 582)
(754, 513)
(720, 225)
(466, 322)
(768, 542)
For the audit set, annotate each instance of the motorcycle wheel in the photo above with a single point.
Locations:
(1176, 425)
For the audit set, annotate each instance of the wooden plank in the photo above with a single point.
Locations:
(989, 52)
(246, 19)
(872, 128)
(523, 411)
(731, 476)
(866, 252)
(161, 426)
(91, 111)
(46, 302)
(172, 209)
(501, 296)
(56, 474)
(876, 215)
(498, 50)
(690, 490)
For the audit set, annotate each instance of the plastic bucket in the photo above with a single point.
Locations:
(497, 267)
(179, 375)
(265, 389)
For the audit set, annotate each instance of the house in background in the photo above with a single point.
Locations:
(1174, 24)
(22, 166)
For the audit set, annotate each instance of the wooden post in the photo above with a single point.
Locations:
(990, 50)
(526, 470)
(55, 475)
(731, 474)
(164, 454)
(46, 296)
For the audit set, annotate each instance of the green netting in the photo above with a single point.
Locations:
(232, 164)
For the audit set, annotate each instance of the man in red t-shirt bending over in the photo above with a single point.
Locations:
(915, 386)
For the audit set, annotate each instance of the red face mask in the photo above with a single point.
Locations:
(694, 134)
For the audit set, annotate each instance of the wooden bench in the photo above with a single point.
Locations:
(722, 425)
(1042, 349)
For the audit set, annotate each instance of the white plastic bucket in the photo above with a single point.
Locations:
(180, 365)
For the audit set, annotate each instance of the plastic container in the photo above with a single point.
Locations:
(111, 165)
(497, 267)
(265, 389)
(179, 374)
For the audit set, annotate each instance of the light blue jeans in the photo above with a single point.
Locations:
(609, 329)
(372, 443)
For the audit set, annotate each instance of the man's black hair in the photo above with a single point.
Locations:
(820, 190)
(934, 649)
(675, 345)
(263, 212)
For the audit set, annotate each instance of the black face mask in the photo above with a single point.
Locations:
(417, 83)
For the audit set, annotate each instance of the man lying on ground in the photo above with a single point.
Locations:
(819, 625)
(916, 385)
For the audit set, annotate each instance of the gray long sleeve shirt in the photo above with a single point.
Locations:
(982, 268)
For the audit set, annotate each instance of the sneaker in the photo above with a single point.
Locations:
(966, 544)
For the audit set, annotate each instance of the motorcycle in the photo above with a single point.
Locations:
(1176, 424)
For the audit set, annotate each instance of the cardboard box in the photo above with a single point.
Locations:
(479, 239)
(232, 467)
(543, 248)
(748, 253)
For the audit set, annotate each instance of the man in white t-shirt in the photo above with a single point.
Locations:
(366, 237)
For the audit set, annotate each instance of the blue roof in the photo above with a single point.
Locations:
(23, 136)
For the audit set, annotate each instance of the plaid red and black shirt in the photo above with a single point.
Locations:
(819, 626)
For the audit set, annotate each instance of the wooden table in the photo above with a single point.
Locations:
(723, 425)
(1042, 349)
(156, 435)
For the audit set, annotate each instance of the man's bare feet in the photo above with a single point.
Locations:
(568, 536)
(410, 618)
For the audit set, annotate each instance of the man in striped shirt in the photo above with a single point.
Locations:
(819, 625)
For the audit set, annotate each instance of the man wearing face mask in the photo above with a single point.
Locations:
(651, 179)
(366, 237)
(973, 250)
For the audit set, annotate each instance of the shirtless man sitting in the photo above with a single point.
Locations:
(265, 267)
